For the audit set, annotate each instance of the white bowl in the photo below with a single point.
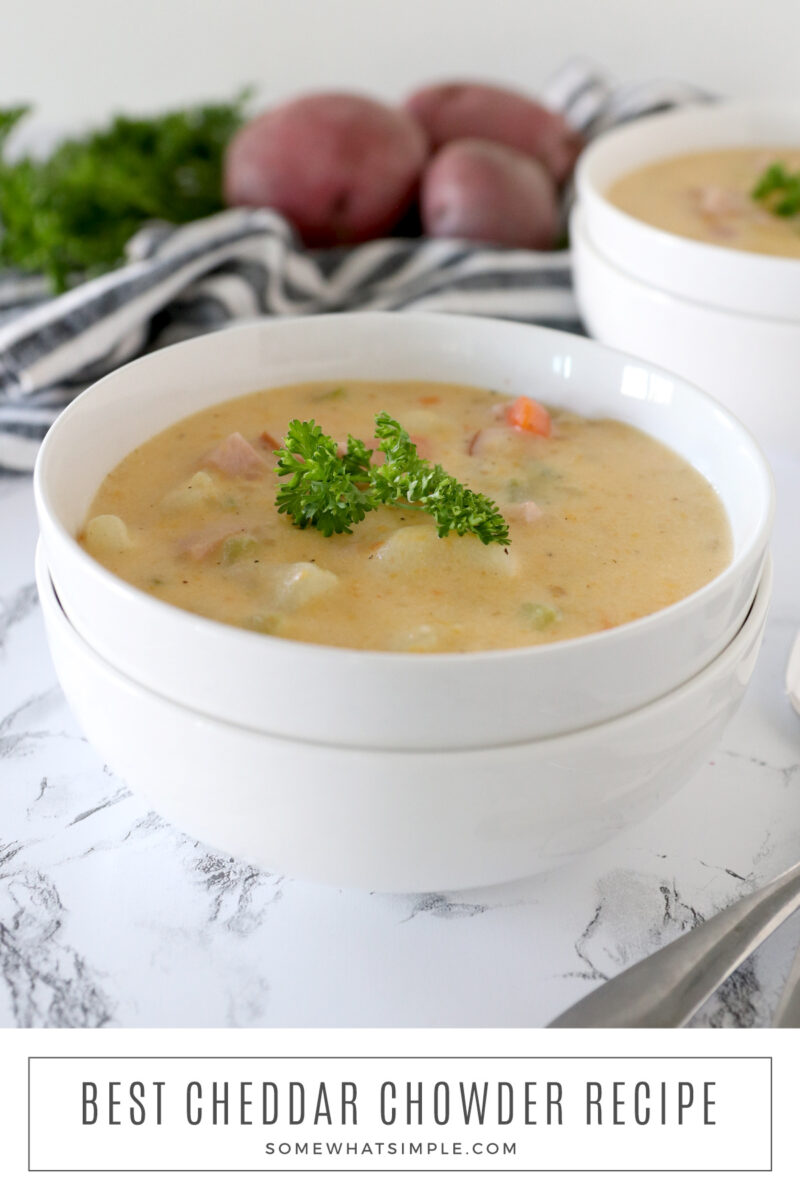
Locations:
(733, 280)
(414, 702)
(389, 820)
(751, 363)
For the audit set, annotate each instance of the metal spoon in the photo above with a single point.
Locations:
(787, 1014)
(666, 989)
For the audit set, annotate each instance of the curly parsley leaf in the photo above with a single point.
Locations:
(779, 190)
(333, 492)
(406, 478)
(323, 488)
(357, 459)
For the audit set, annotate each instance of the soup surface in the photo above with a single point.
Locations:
(707, 196)
(606, 525)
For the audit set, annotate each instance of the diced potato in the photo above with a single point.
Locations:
(408, 549)
(427, 421)
(422, 639)
(267, 622)
(201, 489)
(419, 548)
(297, 584)
(107, 534)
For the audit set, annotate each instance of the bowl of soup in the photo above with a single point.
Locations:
(687, 218)
(398, 820)
(637, 531)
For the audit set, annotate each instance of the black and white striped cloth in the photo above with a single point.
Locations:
(239, 264)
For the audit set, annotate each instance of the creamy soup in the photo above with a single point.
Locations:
(605, 524)
(708, 196)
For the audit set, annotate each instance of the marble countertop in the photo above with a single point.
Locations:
(109, 916)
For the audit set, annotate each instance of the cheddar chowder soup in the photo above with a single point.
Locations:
(605, 524)
(708, 196)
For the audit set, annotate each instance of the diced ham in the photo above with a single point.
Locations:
(493, 438)
(528, 511)
(236, 457)
(422, 443)
(202, 543)
(714, 202)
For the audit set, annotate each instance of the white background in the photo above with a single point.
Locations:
(80, 59)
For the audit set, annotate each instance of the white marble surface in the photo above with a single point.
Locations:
(110, 916)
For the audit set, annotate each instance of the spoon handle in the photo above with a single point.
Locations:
(666, 989)
(787, 1014)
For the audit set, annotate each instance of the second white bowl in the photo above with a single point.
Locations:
(751, 362)
(732, 280)
(389, 820)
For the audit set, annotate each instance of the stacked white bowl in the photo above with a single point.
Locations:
(393, 771)
(727, 319)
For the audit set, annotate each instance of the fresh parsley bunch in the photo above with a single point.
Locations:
(333, 492)
(72, 212)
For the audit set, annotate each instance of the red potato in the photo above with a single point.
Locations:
(341, 168)
(451, 111)
(488, 193)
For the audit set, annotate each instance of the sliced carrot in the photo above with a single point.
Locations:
(529, 415)
(268, 440)
(428, 400)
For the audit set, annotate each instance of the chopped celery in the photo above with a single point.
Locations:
(539, 481)
(539, 616)
(266, 622)
(237, 546)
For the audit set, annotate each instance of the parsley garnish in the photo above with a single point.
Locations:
(405, 477)
(779, 191)
(333, 492)
(323, 490)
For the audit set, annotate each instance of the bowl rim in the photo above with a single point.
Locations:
(751, 627)
(696, 255)
(579, 230)
(210, 628)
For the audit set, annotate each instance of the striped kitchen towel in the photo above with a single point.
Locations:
(243, 263)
